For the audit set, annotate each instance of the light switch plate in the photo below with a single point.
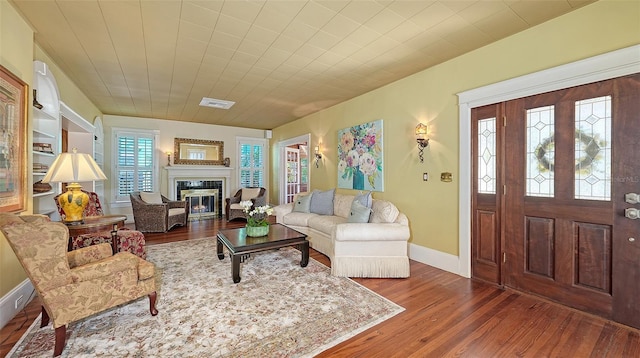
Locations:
(425, 176)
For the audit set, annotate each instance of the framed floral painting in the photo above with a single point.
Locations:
(13, 119)
(360, 157)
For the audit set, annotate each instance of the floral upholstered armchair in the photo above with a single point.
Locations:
(76, 284)
(127, 240)
(233, 209)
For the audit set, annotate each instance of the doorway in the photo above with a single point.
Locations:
(294, 164)
(551, 177)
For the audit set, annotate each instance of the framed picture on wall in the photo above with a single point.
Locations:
(360, 157)
(13, 137)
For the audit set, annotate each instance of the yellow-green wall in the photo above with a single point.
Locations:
(17, 53)
(430, 97)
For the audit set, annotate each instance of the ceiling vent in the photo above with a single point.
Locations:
(216, 103)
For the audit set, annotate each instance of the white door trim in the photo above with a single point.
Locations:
(614, 64)
(305, 138)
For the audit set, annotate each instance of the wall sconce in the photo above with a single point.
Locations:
(318, 155)
(421, 138)
(168, 159)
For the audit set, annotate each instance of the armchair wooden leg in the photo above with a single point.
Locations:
(61, 337)
(152, 303)
(45, 318)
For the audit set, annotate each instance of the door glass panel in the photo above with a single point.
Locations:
(593, 149)
(540, 148)
(487, 156)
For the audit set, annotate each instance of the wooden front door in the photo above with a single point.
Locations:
(564, 162)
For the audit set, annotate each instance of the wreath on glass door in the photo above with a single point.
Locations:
(590, 148)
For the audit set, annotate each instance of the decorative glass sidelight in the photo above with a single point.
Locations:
(593, 149)
(487, 156)
(540, 147)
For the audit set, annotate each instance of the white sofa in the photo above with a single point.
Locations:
(377, 248)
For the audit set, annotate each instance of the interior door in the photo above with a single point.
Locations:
(570, 158)
(293, 173)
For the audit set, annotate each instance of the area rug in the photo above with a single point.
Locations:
(279, 309)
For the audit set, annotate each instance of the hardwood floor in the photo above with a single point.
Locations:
(445, 316)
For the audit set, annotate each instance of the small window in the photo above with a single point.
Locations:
(251, 163)
(135, 162)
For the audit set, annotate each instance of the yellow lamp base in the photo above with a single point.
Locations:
(73, 203)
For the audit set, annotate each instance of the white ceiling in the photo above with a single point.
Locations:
(278, 60)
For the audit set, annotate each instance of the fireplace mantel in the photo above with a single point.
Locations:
(197, 172)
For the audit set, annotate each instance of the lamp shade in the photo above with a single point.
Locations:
(421, 131)
(73, 167)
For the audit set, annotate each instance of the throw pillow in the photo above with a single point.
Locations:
(249, 193)
(301, 205)
(322, 202)
(150, 198)
(383, 212)
(359, 213)
(364, 199)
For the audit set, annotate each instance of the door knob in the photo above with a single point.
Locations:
(632, 213)
(632, 198)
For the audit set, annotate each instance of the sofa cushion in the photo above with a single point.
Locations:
(359, 213)
(249, 193)
(383, 212)
(322, 202)
(365, 199)
(297, 219)
(176, 211)
(325, 223)
(342, 205)
(301, 205)
(151, 198)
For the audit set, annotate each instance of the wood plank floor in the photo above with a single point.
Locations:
(445, 316)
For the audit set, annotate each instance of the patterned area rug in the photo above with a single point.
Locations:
(279, 309)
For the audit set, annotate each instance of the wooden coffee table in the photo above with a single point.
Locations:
(240, 245)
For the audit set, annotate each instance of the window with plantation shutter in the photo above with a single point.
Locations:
(135, 162)
(251, 165)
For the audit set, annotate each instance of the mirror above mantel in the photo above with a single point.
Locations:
(198, 151)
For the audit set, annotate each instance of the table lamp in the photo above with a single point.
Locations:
(73, 168)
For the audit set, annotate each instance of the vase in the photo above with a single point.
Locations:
(358, 179)
(257, 231)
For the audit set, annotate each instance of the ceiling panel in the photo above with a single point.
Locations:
(278, 60)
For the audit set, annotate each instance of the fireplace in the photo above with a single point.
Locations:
(204, 197)
(199, 177)
(201, 203)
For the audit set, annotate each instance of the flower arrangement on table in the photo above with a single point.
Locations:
(360, 154)
(258, 216)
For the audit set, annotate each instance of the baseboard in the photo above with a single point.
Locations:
(8, 301)
(438, 259)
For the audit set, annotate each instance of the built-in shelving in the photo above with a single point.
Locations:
(39, 195)
(46, 129)
(98, 152)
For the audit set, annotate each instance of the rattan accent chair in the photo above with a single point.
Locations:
(158, 217)
(77, 284)
(233, 210)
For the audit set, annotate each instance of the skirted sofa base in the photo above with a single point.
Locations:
(374, 249)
